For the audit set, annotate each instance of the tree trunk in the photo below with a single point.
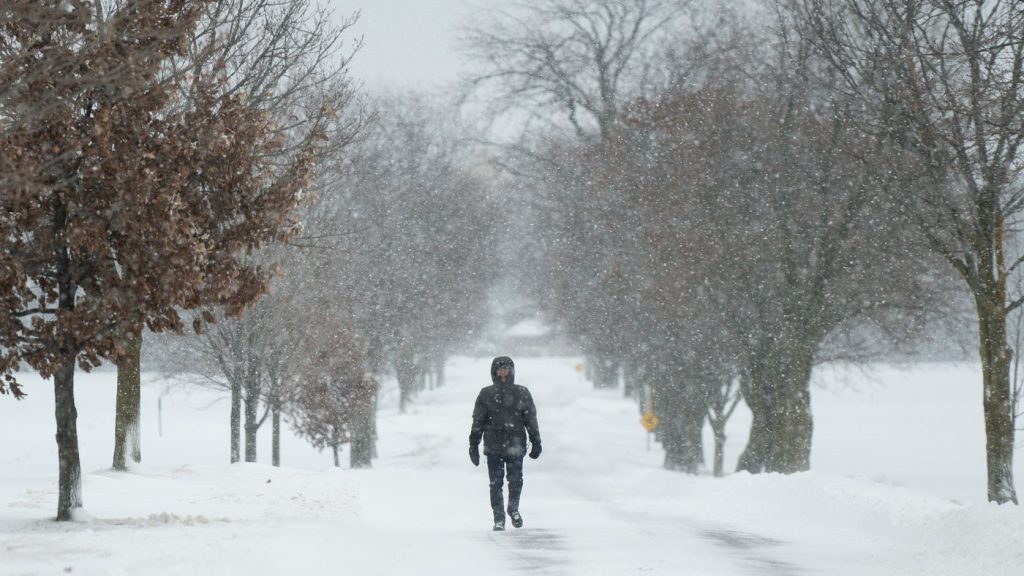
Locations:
(722, 400)
(337, 455)
(754, 458)
(779, 397)
(128, 408)
(69, 474)
(361, 449)
(718, 428)
(275, 446)
(606, 374)
(792, 426)
(405, 373)
(439, 371)
(252, 401)
(373, 425)
(69, 482)
(363, 431)
(631, 379)
(693, 422)
(998, 406)
(681, 452)
(236, 420)
(997, 397)
(681, 412)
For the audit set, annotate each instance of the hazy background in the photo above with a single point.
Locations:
(408, 44)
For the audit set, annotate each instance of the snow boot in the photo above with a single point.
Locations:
(517, 520)
(499, 525)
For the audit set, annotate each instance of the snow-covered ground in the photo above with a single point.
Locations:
(898, 488)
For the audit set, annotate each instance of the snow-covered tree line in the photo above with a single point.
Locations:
(135, 174)
(424, 218)
(203, 168)
(387, 276)
(725, 199)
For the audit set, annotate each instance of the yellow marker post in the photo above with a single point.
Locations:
(649, 421)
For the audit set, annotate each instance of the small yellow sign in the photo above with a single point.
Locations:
(649, 421)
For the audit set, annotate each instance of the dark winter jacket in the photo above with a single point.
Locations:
(504, 415)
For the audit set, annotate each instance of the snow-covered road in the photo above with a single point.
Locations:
(596, 502)
(585, 501)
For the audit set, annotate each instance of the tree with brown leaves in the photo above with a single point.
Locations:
(335, 399)
(120, 206)
(285, 59)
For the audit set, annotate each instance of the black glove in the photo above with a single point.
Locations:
(474, 455)
(535, 450)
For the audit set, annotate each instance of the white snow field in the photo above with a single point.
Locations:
(898, 488)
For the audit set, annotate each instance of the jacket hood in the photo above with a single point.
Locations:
(503, 360)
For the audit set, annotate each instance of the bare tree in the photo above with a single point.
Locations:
(945, 79)
(572, 65)
(577, 60)
(423, 237)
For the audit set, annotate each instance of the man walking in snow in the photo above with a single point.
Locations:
(504, 415)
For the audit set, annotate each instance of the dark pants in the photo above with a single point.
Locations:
(497, 468)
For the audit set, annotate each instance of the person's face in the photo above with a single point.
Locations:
(502, 372)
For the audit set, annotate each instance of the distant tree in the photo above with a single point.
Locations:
(238, 347)
(572, 66)
(574, 60)
(117, 214)
(333, 401)
(363, 421)
(302, 337)
(262, 357)
(419, 257)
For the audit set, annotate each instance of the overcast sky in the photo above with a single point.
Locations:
(408, 43)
